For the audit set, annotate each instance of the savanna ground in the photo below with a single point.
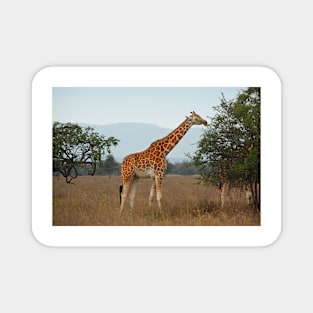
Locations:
(92, 201)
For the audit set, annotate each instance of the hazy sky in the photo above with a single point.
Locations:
(162, 106)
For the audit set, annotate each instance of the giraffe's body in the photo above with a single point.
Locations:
(151, 162)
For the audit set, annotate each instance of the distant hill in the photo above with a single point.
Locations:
(135, 137)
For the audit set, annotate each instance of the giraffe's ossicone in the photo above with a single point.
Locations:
(152, 163)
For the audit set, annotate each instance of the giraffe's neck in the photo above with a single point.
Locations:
(166, 144)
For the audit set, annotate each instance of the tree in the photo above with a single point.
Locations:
(109, 166)
(75, 147)
(230, 147)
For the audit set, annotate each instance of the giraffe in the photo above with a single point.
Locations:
(151, 162)
(226, 190)
(226, 186)
(251, 189)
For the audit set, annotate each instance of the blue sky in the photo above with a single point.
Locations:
(162, 106)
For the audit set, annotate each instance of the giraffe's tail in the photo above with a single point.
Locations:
(121, 189)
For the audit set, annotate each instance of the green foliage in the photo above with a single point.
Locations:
(230, 147)
(74, 147)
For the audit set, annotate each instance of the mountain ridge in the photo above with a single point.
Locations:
(136, 137)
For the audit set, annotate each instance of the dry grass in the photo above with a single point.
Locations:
(94, 201)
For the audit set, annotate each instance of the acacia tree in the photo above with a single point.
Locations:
(230, 147)
(75, 147)
(110, 166)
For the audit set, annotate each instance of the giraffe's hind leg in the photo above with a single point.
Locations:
(152, 192)
(121, 190)
(132, 191)
(124, 192)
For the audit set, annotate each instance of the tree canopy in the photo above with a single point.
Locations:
(75, 146)
(230, 147)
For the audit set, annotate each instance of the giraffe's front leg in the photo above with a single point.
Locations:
(158, 189)
(225, 192)
(222, 194)
(132, 191)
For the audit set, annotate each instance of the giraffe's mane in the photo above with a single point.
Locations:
(156, 141)
(172, 132)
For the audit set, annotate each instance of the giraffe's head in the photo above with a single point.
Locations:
(196, 119)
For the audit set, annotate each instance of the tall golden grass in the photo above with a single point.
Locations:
(92, 201)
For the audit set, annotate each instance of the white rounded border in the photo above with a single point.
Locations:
(146, 76)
